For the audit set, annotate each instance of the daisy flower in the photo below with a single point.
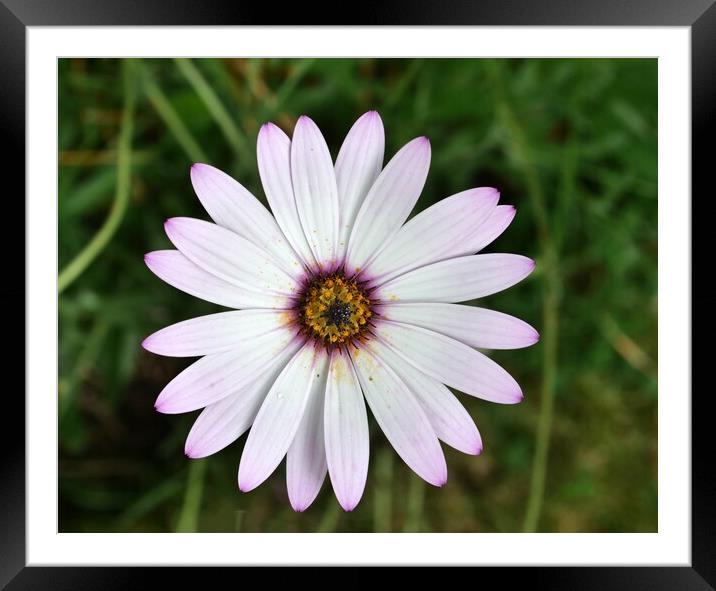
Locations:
(338, 302)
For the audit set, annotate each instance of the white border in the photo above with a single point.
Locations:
(670, 546)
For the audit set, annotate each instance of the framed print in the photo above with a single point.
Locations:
(412, 291)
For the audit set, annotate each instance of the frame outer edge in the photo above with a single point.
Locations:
(703, 482)
(12, 295)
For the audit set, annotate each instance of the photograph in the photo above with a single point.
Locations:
(349, 295)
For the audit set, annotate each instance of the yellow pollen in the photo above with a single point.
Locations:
(335, 310)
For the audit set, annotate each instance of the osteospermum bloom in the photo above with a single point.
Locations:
(338, 302)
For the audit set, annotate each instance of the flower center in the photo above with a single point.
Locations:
(334, 309)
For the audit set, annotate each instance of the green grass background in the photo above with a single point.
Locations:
(570, 142)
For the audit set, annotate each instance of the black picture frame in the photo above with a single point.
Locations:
(17, 15)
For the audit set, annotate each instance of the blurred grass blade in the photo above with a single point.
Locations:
(90, 194)
(86, 359)
(121, 197)
(544, 426)
(297, 73)
(239, 520)
(273, 103)
(518, 148)
(231, 131)
(170, 117)
(383, 495)
(627, 348)
(401, 86)
(415, 505)
(330, 518)
(147, 503)
(189, 516)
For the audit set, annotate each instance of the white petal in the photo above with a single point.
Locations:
(496, 224)
(230, 205)
(451, 362)
(451, 422)
(346, 435)
(358, 164)
(178, 271)
(388, 203)
(306, 458)
(214, 333)
(216, 376)
(278, 419)
(400, 417)
(273, 152)
(223, 422)
(457, 280)
(228, 256)
(314, 186)
(477, 327)
(440, 232)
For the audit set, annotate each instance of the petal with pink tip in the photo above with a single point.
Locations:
(230, 257)
(273, 151)
(314, 186)
(223, 422)
(358, 164)
(400, 417)
(388, 203)
(451, 362)
(451, 422)
(346, 432)
(278, 419)
(214, 377)
(476, 327)
(306, 458)
(178, 271)
(500, 218)
(457, 280)
(438, 233)
(230, 205)
(214, 333)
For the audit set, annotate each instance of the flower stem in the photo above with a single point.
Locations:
(519, 149)
(121, 195)
(189, 516)
(544, 426)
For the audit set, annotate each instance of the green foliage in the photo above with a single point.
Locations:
(570, 142)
